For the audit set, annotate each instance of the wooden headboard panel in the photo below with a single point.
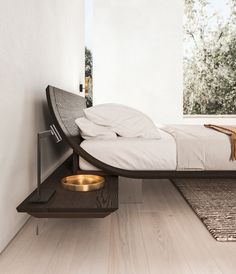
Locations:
(65, 107)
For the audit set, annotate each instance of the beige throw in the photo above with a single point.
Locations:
(230, 131)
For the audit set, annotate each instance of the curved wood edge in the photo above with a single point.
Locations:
(74, 142)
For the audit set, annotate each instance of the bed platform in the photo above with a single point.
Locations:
(65, 107)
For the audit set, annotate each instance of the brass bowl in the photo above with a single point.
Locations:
(83, 182)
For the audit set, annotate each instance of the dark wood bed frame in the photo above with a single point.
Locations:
(65, 107)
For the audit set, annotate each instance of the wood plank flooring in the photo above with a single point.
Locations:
(160, 236)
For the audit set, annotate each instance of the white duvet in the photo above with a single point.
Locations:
(133, 153)
(181, 147)
(201, 148)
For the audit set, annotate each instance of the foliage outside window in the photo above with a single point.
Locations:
(210, 57)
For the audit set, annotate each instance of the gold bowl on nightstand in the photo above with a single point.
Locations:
(83, 182)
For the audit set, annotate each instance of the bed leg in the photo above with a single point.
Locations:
(75, 163)
(130, 190)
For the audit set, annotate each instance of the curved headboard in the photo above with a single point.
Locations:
(65, 107)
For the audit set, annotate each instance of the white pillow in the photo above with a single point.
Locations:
(123, 120)
(90, 130)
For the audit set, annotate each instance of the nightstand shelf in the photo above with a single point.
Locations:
(71, 204)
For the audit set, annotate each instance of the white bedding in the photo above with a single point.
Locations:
(182, 147)
(201, 148)
(133, 153)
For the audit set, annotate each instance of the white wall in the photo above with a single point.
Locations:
(138, 47)
(41, 43)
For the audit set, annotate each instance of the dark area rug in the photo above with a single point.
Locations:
(214, 202)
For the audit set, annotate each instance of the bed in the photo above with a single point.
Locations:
(142, 158)
(200, 149)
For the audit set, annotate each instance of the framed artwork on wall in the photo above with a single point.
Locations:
(209, 58)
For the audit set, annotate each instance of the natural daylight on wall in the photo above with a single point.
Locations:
(88, 52)
(209, 57)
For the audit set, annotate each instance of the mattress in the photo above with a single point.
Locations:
(181, 147)
(133, 153)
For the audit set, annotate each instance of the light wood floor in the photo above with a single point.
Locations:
(160, 236)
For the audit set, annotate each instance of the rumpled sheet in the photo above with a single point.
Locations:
(200, 148)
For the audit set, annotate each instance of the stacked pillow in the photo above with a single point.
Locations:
(90, 130)
(106, 121)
